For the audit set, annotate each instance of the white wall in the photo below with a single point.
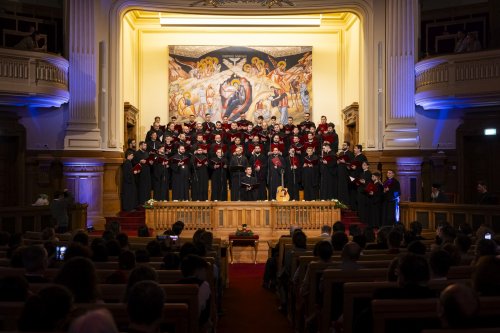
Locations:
(153, 62)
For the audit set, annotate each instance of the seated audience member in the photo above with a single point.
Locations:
(77, 250)
(15, 241)
(324, 251)
(465, 229)
(122, 239)
(326, 231)
(126, 262)
(458, 307)
(47, 311)
(187, 249)
(485, 247)
(30, 43)
(482, 231)
(394, 239)
(81, 237)
(154, 249)
(381, 241)
(99, 252)
(369, 233)
(95, 321)
(140, 273)
(194, 271)
(49, 234)
(360, 240)
(416, 230)
(35, 261)
(141, 256)
(446, 234)
(16, 258)
(415, 247)
(485, 197)
(350, 256)
(438, 196)
(13, 289)
(145, 307)
(113, 247)
(178, 227)
(108, 235)
(440, 263)
(413, 279)
(455, 257)
(354, 230)
(339, 239)
(463, 244)
(79, 276)
(486, 276)
(338, 226)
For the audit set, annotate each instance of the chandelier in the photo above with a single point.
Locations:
(264, 3)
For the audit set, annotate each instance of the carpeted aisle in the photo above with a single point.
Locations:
(247, 306)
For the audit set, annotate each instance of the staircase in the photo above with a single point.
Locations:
(350, 217)
(129, 221)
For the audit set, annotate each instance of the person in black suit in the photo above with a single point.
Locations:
(437, 196)
(485, 197)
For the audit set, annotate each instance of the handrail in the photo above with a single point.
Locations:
(431, 214)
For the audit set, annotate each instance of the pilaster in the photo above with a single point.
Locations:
(409, 174)
(82, 131)
(84, 178)
(401, 27)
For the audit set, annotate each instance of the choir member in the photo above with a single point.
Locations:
(171, 131)
(131, 144)
(237, 167)
(332, 137)
(226, 126)
(276, 166)
(298, 147)
(218, 165)
(306, 123)
(155, 129)
(344, 159)
(161, 175)
(233, 133)
(293, 174)
(170, 149)
(208, 125)
(153, 144)
(143, 178)
(289, 126)
(191, 124)
(247, 187)
(363, 204)
(310, 175)
(181, 174)
(259, 125)
(322, 126)
(392, 191)
(328, 171)
(199, 184)
(129, 190)
(375, 192)
(258, 161)
(243, 122)
(217, 144)
(355, 171)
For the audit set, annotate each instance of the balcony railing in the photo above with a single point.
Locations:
(458, 80)
(37, 79)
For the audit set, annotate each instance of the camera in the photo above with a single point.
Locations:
(60, 252)
(487, 235)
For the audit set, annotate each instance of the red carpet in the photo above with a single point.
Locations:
(247, 306)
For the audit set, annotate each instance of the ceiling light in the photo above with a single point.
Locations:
(242, 21)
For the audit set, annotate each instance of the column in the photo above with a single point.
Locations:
(401, 28)
(84, 178)
(82, 131)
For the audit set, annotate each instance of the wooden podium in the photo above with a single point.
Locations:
(236, 240)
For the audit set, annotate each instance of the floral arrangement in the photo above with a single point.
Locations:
(338, 204)
(244, 231)
(149, 204)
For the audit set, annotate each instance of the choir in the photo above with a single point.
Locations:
(254, 160)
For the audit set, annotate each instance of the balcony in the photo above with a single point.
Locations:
(36, 79)
(463, 80)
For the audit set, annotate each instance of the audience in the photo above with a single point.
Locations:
(339, 239)
(440, 262)
(79, 276)
(95, 321)
(458, 307)
(326, 231)
(145, 307)
(486, 276)
(35, 261)
(350, 256)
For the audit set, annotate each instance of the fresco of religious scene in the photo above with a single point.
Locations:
(231, 80)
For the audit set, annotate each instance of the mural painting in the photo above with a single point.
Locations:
(229, 81)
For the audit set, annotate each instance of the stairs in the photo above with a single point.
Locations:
(350, 217)
(129, 221)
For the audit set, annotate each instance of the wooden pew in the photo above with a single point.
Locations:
(420, 309)
(354, 291)
(332, 277)
(174, 314)
(470, 330)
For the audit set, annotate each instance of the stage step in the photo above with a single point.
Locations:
(349, 218)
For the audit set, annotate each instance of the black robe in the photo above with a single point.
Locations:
(310, 177)
(328, 185)
(293, 177)
(199, 182)
(355, 173)
(143, 178)
(261, 175)
(391, 201)
(343, 178)
(375, 202)
(219, 179)
(161, 179)
(362, 197)
(180, 177)
(237, 176)
(248, 195)
(274, 175)
(129, 190)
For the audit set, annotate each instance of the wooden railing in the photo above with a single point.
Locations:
(431, 214)
(261, 216)
(36, 218)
